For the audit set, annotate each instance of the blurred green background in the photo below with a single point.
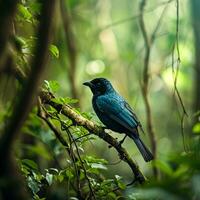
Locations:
(110, 44)
(105, 40)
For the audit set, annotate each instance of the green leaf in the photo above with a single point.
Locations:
(196, 128)
(91, 159)
(60, 177)
(33, 185)
(98, 166)
(121, 185)
(163, 166)
(181, 171)
(69, 174)
(73, 198)
(35, 7)
(93, 171)
(24, 12)
(53, 170)
(87, 115)
(119, 182)
(37, 176)
(112, 195)
(107, 182)
(19, 42)
(117, 177)
(54, 50)
(36, 197)
(66, 173)
(49, 178)
(66, 100)
(52, 86)
(30, 163)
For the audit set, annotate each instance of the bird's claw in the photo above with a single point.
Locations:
(121, 141)
(122, 156)
(104, 128)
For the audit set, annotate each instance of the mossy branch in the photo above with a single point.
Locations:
(68, 111)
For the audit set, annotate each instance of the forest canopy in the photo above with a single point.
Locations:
(54, 144)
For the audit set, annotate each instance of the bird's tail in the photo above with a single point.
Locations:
(146, 154)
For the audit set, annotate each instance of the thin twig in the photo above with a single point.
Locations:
(146, 81)
(153, 35)
(175, 73)
(43, 114)
(74, 159)
(82, 164)
(148, 41)
(131, 18)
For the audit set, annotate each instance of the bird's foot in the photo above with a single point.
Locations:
(104, 128)
(122, 156)
(110, 146)
(121, 141)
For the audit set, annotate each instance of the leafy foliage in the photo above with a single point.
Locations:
(54, 51)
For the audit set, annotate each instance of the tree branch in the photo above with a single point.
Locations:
(148, 41)
(146, 81)
(79, 120)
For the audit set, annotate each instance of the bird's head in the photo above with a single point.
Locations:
(99, 86)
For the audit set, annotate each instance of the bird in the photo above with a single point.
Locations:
(116, 114)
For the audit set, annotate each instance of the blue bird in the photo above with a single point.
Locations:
(115, 113)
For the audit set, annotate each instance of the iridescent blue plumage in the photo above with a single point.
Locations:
(115, 113)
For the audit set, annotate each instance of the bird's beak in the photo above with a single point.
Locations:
(88, 83)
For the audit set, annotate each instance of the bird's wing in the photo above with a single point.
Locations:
(118, 111)
(134, 115)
